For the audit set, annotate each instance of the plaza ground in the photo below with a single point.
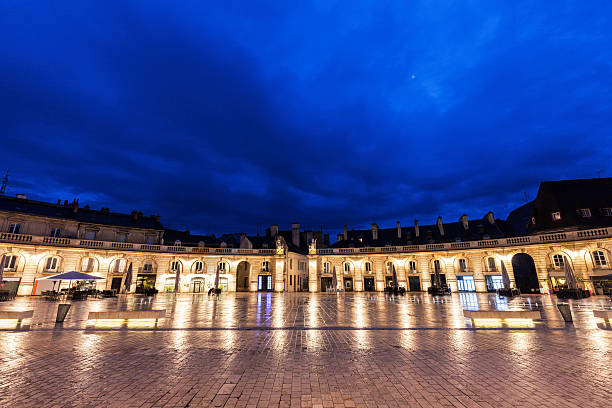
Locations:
(330, 350)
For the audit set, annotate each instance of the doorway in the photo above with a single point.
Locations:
(368, 284)
(442, 279)
(242, 276)
(264, 283)
(348, 284)
(326, 282)
(116, 284)
(197, 285)
(525, 274)
(414, 283)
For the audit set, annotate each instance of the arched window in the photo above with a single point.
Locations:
(10, 263)
(347, 267)
(51, 264)
(118, 266)
(222, 267)
(368, 267)
(175, 266)
(491, 264)
(463, 265)
(437, 267)
(265, 266)
(599, 258)
(87, 264)
(558, 261)
(326, 267)
(198, 266)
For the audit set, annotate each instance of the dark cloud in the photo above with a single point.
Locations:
(225, 117)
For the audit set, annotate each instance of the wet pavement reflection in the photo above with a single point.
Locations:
(309, 350)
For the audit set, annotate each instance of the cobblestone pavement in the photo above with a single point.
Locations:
(305, 350)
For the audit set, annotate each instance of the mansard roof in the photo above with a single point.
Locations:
(74, 213)
(567, 197)
(428, 234)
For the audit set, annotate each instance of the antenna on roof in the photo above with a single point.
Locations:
(4, 182)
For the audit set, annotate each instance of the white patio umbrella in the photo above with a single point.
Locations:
(335, 280)
(505, 277)
(570, 277)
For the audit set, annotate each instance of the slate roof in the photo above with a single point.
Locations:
(568, 197)
(428, 234)
(62, 211)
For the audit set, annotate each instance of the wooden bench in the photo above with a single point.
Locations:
(124, 314)
(502, 314)
(603, 314)
(13, 314)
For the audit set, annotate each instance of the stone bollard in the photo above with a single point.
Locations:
(564, 309)
(62, 311)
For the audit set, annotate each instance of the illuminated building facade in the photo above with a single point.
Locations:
(569, 221)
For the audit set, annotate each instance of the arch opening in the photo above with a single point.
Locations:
(525, 274)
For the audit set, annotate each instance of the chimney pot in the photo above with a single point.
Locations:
(345, 233)
(440, 225)
(416, 228)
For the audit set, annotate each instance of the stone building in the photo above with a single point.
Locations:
(569, 221)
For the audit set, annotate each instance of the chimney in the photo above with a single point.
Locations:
(75, 205)
(399, 230)
(157, 218)
(339, 237)
(440, 226)
(374, 231)
(295, 234)
(309, 237)
(135, 214)
(345, 233)
(490, 217)
(326, 238)
(464, 221)
(274, 230)
(416, 228)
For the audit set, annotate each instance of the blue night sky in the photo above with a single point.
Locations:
(224, 115)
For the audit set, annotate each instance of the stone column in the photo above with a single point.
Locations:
(379, 271)
(28, 274)
(279, 273)
(475, 266)
(313, 269)
(423, 269)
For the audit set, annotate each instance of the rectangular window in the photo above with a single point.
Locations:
(290, 263)
(585, 212)
(494, 282)
(556, 216)
(10, 262)
(121, 237)
(466, 283)
(437, 266)
(412, 265)
(368, 267)
(51, 264)
(174, 265)
(198, 266)
(492, 266)
(222, 266)
(90, 235)
(599, 258)
(558, 261)
(265, 266)
(290, 279)
(147, 267)
(462, 265)
(14, 228)
(607, 212)
(54, 232)
(150, 239)
(326, 267)
(117, 266)
(87, 265)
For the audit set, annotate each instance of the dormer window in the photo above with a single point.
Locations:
(585, 212)
(121, 237)
(607, 211)
(177, 243)
(556, 216)
(90, 235)
(14, 228)
(558, 261)
(54, 232)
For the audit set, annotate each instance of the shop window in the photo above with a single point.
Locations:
(54, 232)
(14, 228)
(51, 264)
(10, 262)
(494, 282)
(585, 212)
(491, 264)
(556, 216)
(558, 261)
(466, 283)
(599, 258)
(169, 285)
(462, 265)
(198, 266)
